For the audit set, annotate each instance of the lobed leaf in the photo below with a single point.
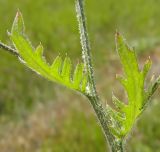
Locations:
(60, 71)
(133, 83)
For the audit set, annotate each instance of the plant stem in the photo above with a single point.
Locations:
(9, 49)
(86, 53)
(115, 144)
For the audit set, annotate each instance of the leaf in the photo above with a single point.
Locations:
(59, 71)
(18, 24)
(57, 65)
(133, 83)
(39, 51)
(66, 69)
(78, 75)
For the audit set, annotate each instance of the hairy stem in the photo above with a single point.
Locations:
(86, 53)
(116, 144)
(8, 49)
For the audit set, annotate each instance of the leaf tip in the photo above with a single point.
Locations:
(18, 23)
(39, 50)
(18, 14)
(118, 36)
(147, 66)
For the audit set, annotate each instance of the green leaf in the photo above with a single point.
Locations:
(18, 25)
(57, 65)
(78, 75)
(66, 69)
(125, 115)
(39, 51)
(84, 82)
(59, 71)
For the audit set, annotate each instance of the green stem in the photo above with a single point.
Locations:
(86, 53)
(115, 144)
(8, 49)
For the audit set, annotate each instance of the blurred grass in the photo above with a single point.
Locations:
(53, 22)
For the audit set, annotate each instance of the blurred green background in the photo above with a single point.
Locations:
(40, 116)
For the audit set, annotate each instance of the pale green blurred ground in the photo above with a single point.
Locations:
(39, 116)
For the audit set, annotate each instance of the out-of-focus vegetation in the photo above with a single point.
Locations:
(40, 116)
